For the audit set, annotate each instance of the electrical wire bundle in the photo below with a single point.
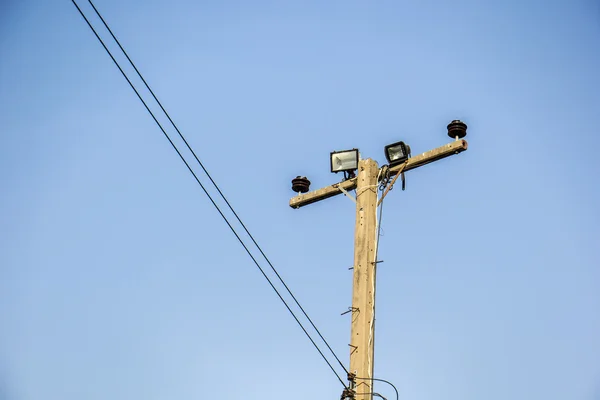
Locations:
(188, 165)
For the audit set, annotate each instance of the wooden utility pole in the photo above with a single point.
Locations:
(362, 341)
(363, 292)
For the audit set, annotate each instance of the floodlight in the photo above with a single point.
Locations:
(397, 153)
(345, 160)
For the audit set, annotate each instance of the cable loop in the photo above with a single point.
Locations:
(385, 177)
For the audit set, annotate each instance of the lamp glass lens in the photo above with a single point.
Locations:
(344, 161)
(396, 153)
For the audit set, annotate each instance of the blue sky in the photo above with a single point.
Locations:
(119, 280)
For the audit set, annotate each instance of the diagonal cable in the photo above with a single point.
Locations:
(215, 184)
(206, 192)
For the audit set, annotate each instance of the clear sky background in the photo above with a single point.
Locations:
(119, 280)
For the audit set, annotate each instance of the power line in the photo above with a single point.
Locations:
(215, 185)
(208, 195)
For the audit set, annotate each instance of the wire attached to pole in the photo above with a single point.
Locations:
(380, 380)
(391, 185)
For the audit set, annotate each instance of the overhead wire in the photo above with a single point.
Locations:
(210, 197)
(215, 185)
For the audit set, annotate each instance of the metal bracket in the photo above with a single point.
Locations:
(354, 348)
(348, 195)
(349, 393)
(350, 309)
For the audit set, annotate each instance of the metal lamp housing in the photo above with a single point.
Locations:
(345, 160)
(396, 153)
